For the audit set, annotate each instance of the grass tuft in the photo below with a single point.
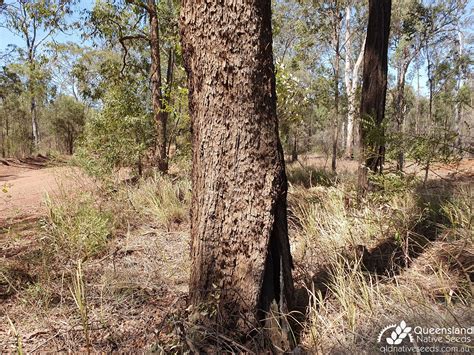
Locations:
(162, 199)
(75, 227)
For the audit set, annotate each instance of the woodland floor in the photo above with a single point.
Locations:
(137, 286)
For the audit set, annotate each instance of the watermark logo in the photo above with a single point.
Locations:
(398, 333)
(421, 339)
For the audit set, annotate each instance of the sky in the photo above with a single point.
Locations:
(7, 38)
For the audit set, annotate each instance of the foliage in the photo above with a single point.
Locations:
(117, 136)
(68, 118)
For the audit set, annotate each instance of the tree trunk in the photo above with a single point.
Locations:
(458, 106)
(161, 117)
(348, 83)
(7, 136)
(241, 262)
(31, 89)
(294, 151)
(337, 18)
(400, 108)
(351, 77)
(34, 121)
(374, 85)
(2, 136)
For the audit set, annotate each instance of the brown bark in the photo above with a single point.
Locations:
(2, 136)
(374, 86)
(294, 151)
(240, 249)
(458, 105)
(161, 117)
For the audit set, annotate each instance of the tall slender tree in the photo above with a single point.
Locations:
(128, 29)
(374, 87)
(35, 23)
(241, 262)
(336, 13)
(351, 80)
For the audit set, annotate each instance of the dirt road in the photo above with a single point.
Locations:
(23, 187)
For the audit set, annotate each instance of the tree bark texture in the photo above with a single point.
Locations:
(161, 116)
(32, 90)
(459, 85)
(240, 248)
(374, 85)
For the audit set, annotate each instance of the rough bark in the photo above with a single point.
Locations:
(161, 117)
(374, 86)
(3, 138)
(294, 150)
(34, 121)
(240, 249)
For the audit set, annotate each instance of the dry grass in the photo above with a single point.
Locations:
(403, 255)
(405, 252)
(102, 270)
(162, 199)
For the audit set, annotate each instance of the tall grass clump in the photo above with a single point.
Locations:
(75, 226)
(402, 253)
(459, 212)
(310, 176)
(329, 220)
(162, 199)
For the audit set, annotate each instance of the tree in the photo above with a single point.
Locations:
(351, 79)
(67, 120)
(407, 47)
(11, 89)
(128, 29)
(35, 23)
(241, 262)
(374, 87)
(119, 135)
(335, 10)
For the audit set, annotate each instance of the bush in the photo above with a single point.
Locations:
(118, 136)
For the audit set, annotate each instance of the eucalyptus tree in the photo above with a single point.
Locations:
(35, 22)
(354, 41)
(11, 90)
(241, 261)
(374, 88)
(147, 30)
(437, 28)
(297, 57)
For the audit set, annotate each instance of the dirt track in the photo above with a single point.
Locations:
(23, 187)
